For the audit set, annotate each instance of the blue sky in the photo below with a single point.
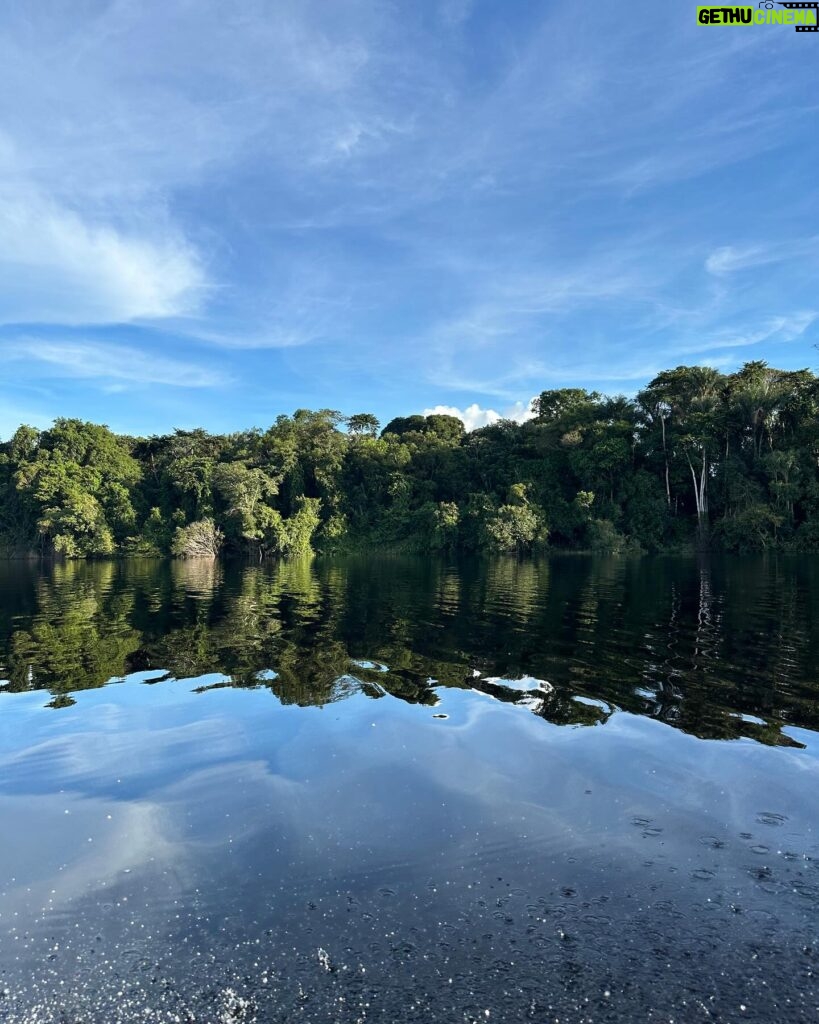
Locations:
(215, 212)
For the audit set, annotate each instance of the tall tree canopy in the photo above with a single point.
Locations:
(697, 456)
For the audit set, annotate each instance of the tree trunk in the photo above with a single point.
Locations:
(700, 499)
(665, 456)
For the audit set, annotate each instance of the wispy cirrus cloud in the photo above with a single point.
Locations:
(774, 330)
(59, 267)
(729, 259)
(107, 364)
(392, 205)
(89, 231)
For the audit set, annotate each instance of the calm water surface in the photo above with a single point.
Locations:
(392, 790)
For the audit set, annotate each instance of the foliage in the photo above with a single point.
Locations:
(201, 539)
(513, 528)
(730, 460)
(362, 424)
(604, 537)
(292, 536)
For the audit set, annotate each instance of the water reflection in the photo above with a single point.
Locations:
(720, 650)
(382, 790)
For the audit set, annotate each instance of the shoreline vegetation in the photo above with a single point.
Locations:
(698, 459)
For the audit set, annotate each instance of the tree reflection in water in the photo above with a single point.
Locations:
(720, 649)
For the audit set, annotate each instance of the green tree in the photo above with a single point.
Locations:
(692, 394)
(362, 424)
(696, 449)
(78, 477)
(202, 539)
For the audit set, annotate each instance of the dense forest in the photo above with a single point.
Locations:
(696, 458)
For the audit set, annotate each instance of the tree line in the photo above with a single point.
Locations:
(697, 457)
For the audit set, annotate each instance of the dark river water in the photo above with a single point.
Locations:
(388, 790)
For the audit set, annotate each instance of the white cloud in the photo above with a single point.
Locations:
(108, 363)
(234, 338)
(775, 329)
(473, 416)
(362, 171)
(731, 258)
(60, 267)
(146, 101)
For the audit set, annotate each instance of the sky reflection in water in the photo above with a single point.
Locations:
(263, 817)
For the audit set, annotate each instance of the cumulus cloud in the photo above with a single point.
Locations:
(474, 416)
